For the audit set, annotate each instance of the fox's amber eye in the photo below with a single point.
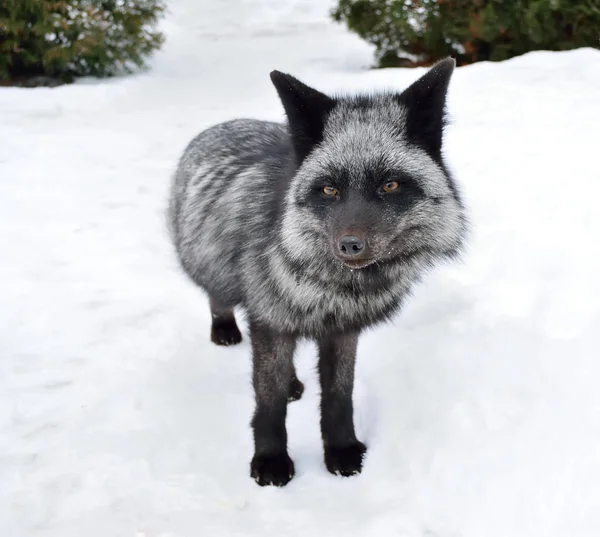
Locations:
(329, 191)
(391, 186)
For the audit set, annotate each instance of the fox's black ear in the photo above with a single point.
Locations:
(306, 110)
(425, 101)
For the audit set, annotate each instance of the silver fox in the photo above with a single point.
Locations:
(317, 229)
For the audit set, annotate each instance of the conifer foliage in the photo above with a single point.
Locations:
(59, 40)
(419, 32)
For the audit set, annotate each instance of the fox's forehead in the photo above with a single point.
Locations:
(365, 141)
(356, 138)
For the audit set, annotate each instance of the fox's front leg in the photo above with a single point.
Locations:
(337, 357)
(273, 372)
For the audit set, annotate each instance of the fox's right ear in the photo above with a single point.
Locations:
(306, 110)
(425, 101)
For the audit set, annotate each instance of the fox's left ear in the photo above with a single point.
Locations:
(306, 110)
(425, 101)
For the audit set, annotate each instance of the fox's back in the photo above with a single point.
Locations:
(225, 198)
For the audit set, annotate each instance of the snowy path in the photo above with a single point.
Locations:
(480, 404)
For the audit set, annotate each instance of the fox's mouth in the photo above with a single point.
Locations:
(358, 263)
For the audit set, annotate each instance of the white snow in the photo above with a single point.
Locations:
(480, 404)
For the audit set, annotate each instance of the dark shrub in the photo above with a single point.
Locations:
(422, 31)
(63, 39)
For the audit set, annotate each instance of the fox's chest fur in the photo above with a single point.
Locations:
(315, 300)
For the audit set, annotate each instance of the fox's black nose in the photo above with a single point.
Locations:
(350, 245)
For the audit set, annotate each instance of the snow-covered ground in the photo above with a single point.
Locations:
(480, 403)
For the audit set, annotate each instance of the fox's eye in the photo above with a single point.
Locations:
(329, 191)
(391, 186)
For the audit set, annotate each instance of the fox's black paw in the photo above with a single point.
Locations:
(225, 333)
(296, 390)
(275, 470)
(345, 460)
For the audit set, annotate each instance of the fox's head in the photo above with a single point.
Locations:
(371, 185)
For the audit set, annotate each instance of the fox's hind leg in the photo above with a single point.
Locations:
(296, 388)
(224, 329)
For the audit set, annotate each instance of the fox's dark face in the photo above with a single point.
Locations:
(371, 187)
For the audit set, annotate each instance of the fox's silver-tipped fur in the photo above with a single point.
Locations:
(253, 227)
